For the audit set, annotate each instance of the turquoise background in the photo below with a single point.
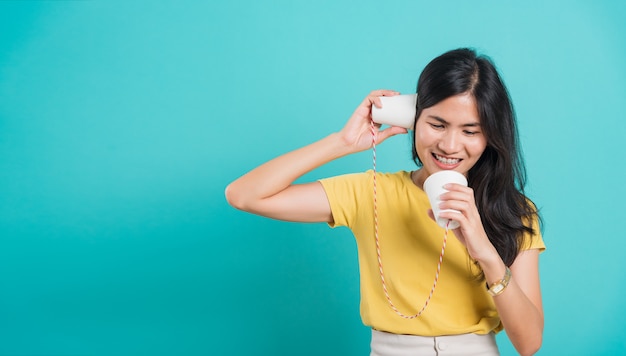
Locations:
(121, 123)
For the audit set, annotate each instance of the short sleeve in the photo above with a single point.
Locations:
(534, 240)
(343, 193)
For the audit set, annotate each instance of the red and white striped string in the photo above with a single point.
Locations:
(378, 253)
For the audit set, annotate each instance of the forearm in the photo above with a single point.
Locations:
(521, 319)
(276, 175)
(519, 306)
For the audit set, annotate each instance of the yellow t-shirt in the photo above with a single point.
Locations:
(410, 245)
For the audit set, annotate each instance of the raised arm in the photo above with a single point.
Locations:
(268, 190)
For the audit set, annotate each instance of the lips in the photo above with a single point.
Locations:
(446, 160)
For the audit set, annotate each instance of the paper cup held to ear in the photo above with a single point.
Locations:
(398, 110)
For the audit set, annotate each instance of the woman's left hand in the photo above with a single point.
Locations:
(471, 232)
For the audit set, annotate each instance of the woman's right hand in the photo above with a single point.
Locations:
(357, 133)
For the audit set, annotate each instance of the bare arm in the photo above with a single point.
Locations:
(268, 190)
(519, 305)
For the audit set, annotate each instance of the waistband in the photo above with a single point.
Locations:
(388, 344)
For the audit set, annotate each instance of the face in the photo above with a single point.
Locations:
(448, 136)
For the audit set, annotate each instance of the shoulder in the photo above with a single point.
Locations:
(366, 178)
(347, 178)
(400, 182)
(533, 240)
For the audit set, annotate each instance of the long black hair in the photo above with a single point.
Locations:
(499, 177)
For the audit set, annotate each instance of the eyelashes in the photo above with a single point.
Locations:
(440, 127)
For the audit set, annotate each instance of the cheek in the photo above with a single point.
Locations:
(477, 148)
(422, 138)
(419, 143)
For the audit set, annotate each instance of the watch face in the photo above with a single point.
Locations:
(498, 288)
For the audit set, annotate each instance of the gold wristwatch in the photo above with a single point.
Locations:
(499, 286)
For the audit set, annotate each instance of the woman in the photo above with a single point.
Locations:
(488, 279)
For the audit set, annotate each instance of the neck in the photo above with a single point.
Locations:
(418, 178)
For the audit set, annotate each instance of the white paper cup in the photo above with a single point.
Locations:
(398, 110)
(433, 186)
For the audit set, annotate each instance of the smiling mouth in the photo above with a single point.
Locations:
(445, 160)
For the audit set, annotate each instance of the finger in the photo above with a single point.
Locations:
(384, 92)
(453, 215)
(458, 205)
(372, 100)
(376, 94)
(457, 195)
(457, 187)
(376, 101)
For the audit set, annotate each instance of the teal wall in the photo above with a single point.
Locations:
(121, 123)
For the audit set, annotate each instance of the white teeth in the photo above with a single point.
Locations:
(445, 160)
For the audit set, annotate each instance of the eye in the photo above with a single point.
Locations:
(436, 126)
(471, 133)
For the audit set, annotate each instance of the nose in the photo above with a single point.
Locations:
(449, 143)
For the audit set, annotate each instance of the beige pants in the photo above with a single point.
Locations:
(387, 344)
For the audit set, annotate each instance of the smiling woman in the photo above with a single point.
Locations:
(448, 136)
(469, 125)
(464, 122)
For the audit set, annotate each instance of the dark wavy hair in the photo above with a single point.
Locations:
(499, 177)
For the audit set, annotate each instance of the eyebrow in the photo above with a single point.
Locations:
(441, 120)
